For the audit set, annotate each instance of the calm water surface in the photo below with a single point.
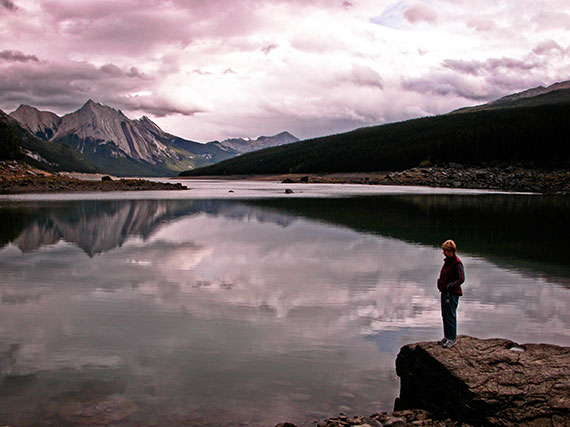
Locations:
(251, 307)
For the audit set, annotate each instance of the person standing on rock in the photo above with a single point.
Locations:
(451, 277)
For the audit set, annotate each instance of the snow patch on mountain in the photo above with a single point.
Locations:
(245, 145)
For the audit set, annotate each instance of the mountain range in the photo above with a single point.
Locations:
(529, 128)
(117, 145)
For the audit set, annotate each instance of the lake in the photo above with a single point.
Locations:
(211, 307)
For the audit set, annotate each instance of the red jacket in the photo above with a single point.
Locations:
(452, 275)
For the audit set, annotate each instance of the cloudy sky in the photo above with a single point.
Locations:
(212, 69)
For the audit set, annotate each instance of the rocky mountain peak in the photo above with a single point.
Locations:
(150, 125)
(43, 124)
(22, 108)
(99, 124)
(283, 138)
(92, 107)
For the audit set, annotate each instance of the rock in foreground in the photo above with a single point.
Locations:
(487, 382)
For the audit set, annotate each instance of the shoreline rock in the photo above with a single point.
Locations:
(478, 382)
(487, 382)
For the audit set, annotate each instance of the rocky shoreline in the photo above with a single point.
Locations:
(18, 177)
(512, 178)
(457, 176)
(405, 418)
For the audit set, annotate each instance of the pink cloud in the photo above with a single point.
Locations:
(490, 66)
(293, 58)
(419, 13)
(481, 24)
(366, 76)
(546, 47)
(549, 19)
(107, 27)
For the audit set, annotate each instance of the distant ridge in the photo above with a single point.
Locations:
(540, 95)
(530, 129)
(529, 93)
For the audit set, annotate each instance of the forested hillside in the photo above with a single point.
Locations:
(534, 136)
(10, 148)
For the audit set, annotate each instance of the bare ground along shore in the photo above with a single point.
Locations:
(18, 177)
(507, 179)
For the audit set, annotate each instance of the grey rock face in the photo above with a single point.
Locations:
(487, 381)
(101, 124)
(43, 124)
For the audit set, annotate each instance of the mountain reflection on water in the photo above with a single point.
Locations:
(530, 229)
(99, 226)
(521, 229)
(211, 312)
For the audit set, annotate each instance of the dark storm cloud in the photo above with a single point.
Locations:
(156, 106)
(106, 27)
(7, 4)
(134, 72)
(68, 85)
(17, 56)
(479, 80)
(447, 84)
(320, 64)
(111, 70)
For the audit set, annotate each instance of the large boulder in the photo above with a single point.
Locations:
(487, 381)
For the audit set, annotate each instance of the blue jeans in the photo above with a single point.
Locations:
(449, 303)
